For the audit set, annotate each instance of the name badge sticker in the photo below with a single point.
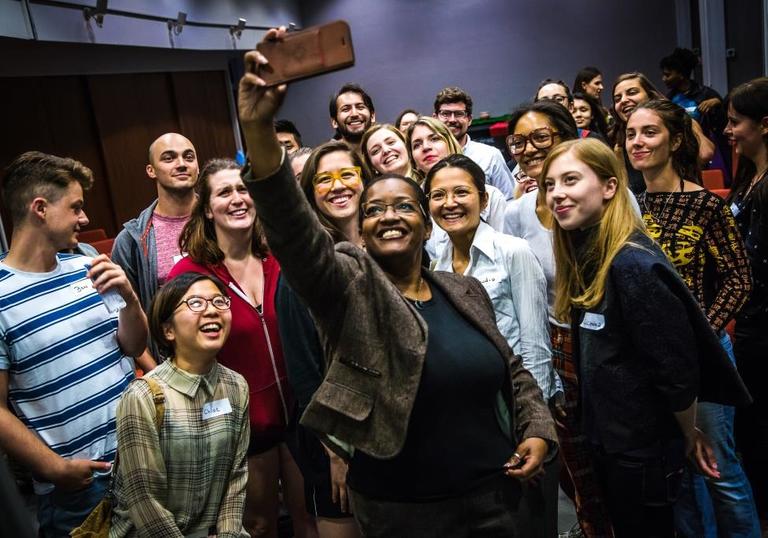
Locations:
(216, 408)
(593, 321)
(735, 209)
(81, 287)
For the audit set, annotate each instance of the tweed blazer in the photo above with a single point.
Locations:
(374, 340)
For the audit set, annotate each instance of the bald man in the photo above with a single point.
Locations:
(148, 246)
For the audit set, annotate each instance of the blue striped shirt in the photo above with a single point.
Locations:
(66, 370)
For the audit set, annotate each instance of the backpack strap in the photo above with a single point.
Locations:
(159, 398)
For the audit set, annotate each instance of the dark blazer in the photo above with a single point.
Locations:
(647, 351)
(373, 338)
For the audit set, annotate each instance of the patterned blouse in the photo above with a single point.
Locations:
(697, 232)
(188, 480)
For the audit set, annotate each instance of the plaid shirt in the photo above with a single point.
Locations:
(190, 479)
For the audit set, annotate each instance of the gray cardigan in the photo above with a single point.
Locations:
(374, 340)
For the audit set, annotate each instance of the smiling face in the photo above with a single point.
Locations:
(575, 194)
(554, 92)
(582, 113)
(387, 152)
(406, 121)
(353, 117)
(230, 206)
(65, 217)
(531, 160)
(456, 118)
(648, 142)
(173, 163)
(627, 95)
(196, 334)
(341, 201)
(746, 135)
(394, 235)
(454, 201)
(594, 87)
(427, 147)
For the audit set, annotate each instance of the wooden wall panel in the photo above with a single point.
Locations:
(53, 115)
(203, 109)
(131, 112)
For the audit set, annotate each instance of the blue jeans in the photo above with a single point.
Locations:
(724, 507)
(58, 512)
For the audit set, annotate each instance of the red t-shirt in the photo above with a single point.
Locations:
(247, 350)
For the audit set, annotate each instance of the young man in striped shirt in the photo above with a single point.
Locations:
(64, 358)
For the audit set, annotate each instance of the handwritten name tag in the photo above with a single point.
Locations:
(81, 287)
(216, 408)
(593, 321)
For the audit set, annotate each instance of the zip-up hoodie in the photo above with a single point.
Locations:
(135, 251)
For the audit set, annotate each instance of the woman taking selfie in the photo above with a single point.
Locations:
(696, 231)
(747, 130)
(187, 477)
(644, 348)
(332, 181)
(430, 388)
(223, 239)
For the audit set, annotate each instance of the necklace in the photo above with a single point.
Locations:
(663, 208)
(417, 302)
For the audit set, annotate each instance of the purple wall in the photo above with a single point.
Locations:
(498, 50)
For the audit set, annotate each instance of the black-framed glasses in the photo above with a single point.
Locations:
(375, 210)
(448, 114)
(557, 98)
(541, 138)
(199, 304)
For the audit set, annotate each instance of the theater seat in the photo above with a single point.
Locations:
(722, 193)
(104, 246)
(713, 179)
(89, 236)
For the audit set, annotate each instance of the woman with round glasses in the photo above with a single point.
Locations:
(429, 141)
(332, 181)
(187, 476)
(385, 151)
(535, 130)
(223, 239)
(421, 392)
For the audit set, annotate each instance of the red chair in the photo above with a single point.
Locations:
(722, 193)
(89, 236)
(104, 246)
(713, 179)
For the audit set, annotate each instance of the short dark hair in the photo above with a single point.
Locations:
(34, 174)
(287, 126)
(421, 196)
(585, 76)
(684, 61)
(453, 94)
(457, 160)
(349, 87)
(546, 81)
(749, 99)
(167, 299)
(560, 117)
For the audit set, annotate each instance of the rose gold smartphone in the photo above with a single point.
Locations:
(307, 53)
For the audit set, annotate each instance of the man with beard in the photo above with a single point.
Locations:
(453, 106)
(148, 246)
(352, 112)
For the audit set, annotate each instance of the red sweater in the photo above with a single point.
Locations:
(253, 348)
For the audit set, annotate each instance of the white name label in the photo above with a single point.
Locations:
(593, 321)
(81, 287)
(216, 408)
(735, 209)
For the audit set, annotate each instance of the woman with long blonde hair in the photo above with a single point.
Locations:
(645, 351)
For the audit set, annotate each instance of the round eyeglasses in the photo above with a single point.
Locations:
(200, 304)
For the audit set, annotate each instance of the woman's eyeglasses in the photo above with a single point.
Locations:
(541, 138)
(199, 304)
(372, 210)
(350, 177)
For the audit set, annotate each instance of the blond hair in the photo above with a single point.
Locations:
(618, 223)
(437, 127)
(395, 131)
